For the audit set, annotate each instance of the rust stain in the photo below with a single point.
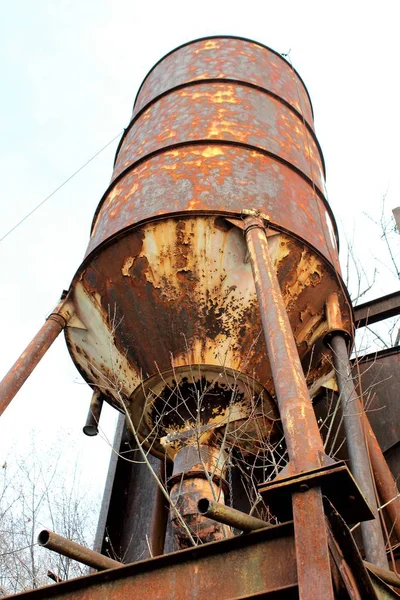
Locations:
(226, 112)
(180, 293)
(231, 59)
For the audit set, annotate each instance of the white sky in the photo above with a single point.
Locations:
(70, 72)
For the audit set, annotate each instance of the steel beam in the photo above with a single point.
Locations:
(377, 310)
(379, 382)
(124, 529)
(257, 565)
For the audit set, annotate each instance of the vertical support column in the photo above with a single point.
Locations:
(300, 428)
(353, 423)
(387, 487)
(32, 355)
(352, 410)
(159, 517)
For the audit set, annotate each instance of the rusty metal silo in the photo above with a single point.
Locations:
(219, 126)
(165, 296)
(210, 299)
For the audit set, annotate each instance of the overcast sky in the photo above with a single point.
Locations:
(70, 72)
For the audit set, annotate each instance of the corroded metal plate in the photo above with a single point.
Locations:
(180, 292)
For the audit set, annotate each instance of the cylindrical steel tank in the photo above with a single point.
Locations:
(165, 296)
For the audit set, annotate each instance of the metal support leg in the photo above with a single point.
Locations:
(159, 518)
(352, 410)
(301, 431)
(312, 553)
(387, 487)
(32, 355)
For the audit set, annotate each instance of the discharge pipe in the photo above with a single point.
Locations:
(229, 516)
(91, 427)
(65, 547)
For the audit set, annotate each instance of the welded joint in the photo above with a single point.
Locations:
(254, 212)
(334, 319)
(254, 219)
(63, 312)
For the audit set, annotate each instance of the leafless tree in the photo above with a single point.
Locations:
(35, 494)
(371, 264)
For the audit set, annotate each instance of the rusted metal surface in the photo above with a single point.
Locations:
(334, 319)
(343, 578)
(128, 503)
(32, 355)
(377, 310)
(260, 562)
(336, 483)
(198, 472)
(380, 382)
(312, 553)
(166, 284)
(369, 585)
(112, 495)
(179, 291)
(372, 535)
(192, 405)
(341, 538)
(65, 547)
(159, 518)
(166, 289)
(367, 452)
(214, 143)
(383, 590)
(54, 577)
(224, 113)
(226, 57)
(302, 436)
(91, 427)
(377, 378)
(185, 497)
(333, 314)
(385, 482)
(384, 574)
(216, 178)
(229, 516)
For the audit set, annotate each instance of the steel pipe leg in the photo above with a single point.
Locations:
(302, 436)
(352, 410)
(32, 355)
(387, 487)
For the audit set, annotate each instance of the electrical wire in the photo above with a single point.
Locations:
(59, 187)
